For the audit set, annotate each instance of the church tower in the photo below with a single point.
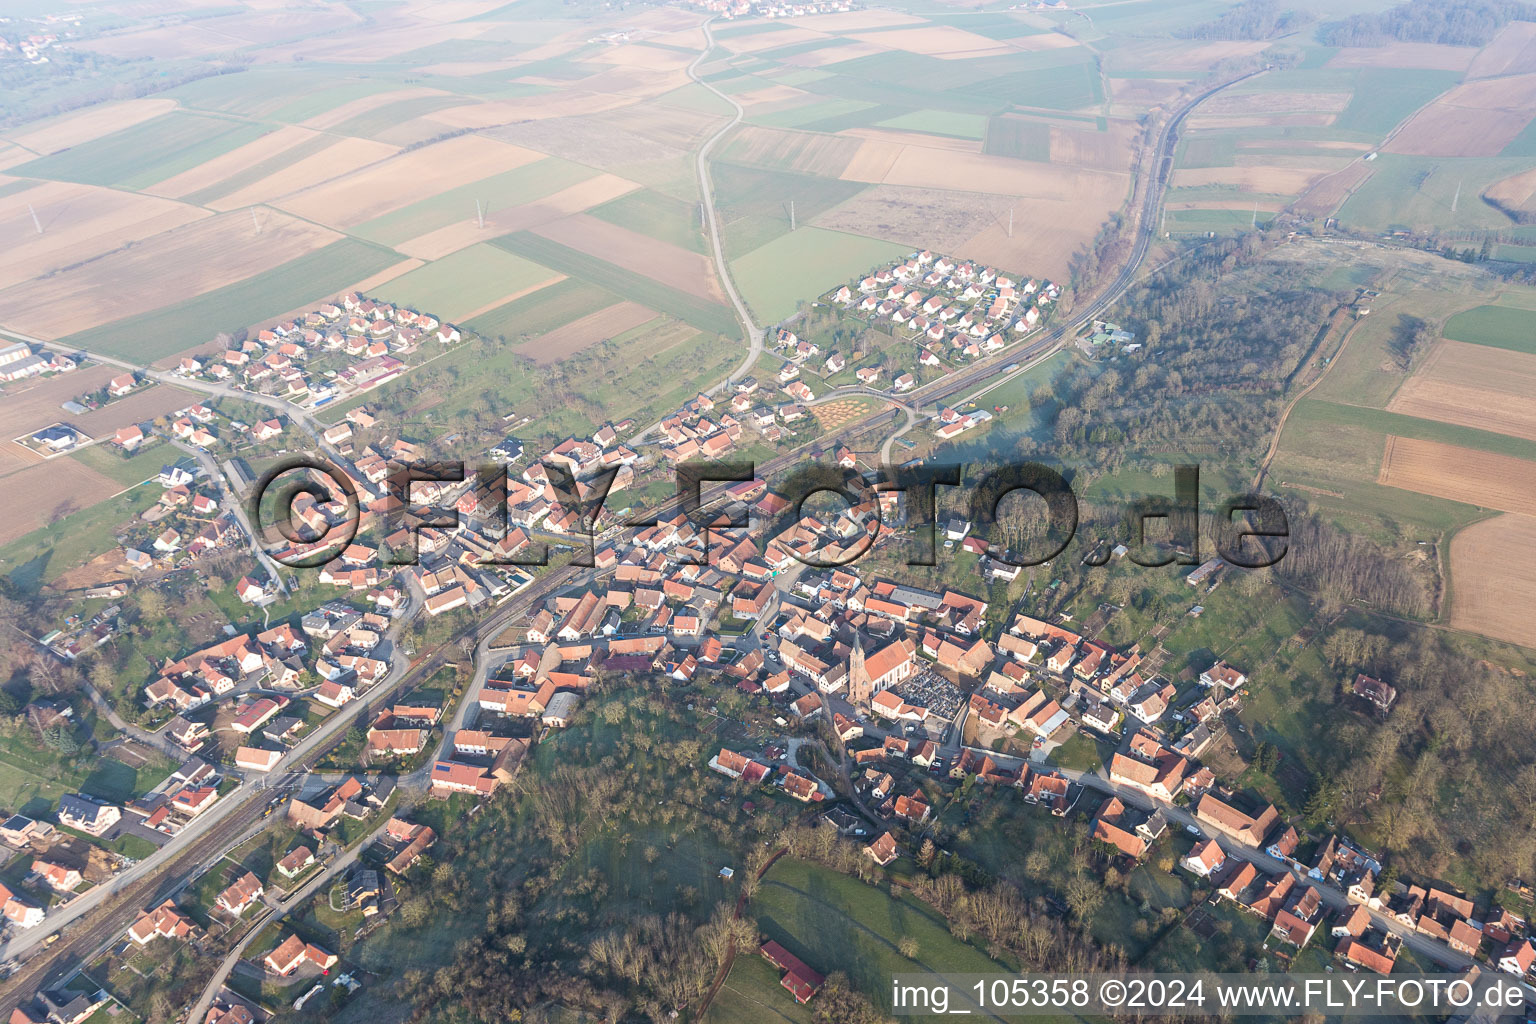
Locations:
(861, 689)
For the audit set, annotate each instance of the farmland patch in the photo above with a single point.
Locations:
(1492, 593)
(1474, 386)
(1466, 475)
(192, 260)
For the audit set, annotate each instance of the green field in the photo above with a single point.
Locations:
(939, 123)
(41, 556)
(543, 310)
(130, 469)
(1419, 191)
(1208, 151)
(752, 993)
(837, 923)
(377, 122)
(800, 265)
(753, 203)
(146, 153)
(283, 93)
(1494, 326)
(511, 188)
(1018, 138)
(1330, 456)
(810, 113)
(257, 170)
(660, 216)
(464, 281)
(1067, 87)
(171, 329)
(1384, 97)
(707, 316)
(1219, 221)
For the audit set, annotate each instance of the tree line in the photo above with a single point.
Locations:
(1452, 22)
(1253, 19)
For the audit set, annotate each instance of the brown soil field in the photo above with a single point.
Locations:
(459, 317)
(106, 568)
(363, 287)
(1290, 161)
(1342, 147)
(1512, 50)
(26, 406)
(1183, 55)
(833, 54)
(1046, 232)
(208, 174)
(1228, 122)
(808, 152)
(1285, 181)
(1137, 94)
(1330, 192)
(1493, 579)
(639, 55)
(1431, 56)
(1516, 192)
(1105, 151)
(672, 265)
(892, 136)
(502, 113)
(226, 34)
(80, 223)
(934, 168)
(53, 489)
(752, 42)
(1248, 103)
(404, 179)
(452, 10)
(1460, 474)
(586, 332)
(414, 132)
(91, 123)
(1043, 41)
(363, 104)
(1473, 119)
(160, 271)
(139, 407)
(1443, 130)
(874, 160)
(774, 97)
(306, 172)
(1266, 205)
(1474, 386)
(575, 199)
(380, 45)
(920, 217)
(854, 21)
(665, 19)
(467, 68)
(944, 41)
(616, 138)
(622, 86)
(384, 276)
